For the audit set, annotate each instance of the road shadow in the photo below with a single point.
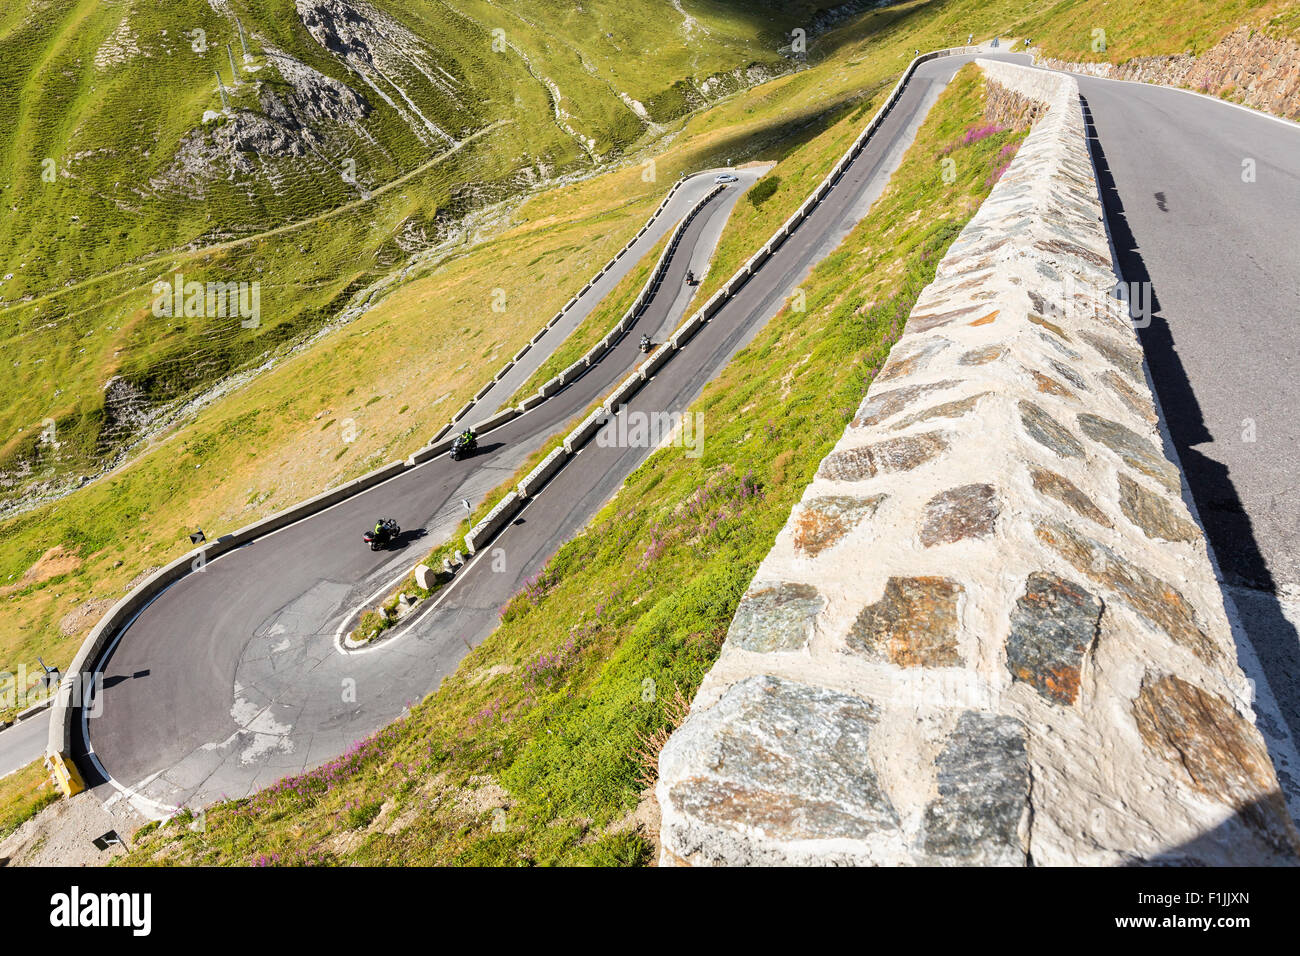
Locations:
(121, 678)
(482, 449)
(1223, 516)
(405, 539)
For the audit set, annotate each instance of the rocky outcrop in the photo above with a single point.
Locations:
(300, 117)
(1246, 67)
(394, 62)
(990, 633)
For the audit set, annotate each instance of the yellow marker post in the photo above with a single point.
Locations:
(64, 774)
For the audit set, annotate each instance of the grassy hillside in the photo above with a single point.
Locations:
(1135, 28)
(276, 439)
(354, 136)
(536, 750)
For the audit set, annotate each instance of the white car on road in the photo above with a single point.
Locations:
(726, 178)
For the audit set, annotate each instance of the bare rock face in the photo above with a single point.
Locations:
(314, 98)
(990, 633)
(289, 126)
(387, 56)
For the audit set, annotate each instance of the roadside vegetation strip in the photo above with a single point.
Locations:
(23, 794)
(538, 749)
(541, 333)
(593, 327)
(585, 336)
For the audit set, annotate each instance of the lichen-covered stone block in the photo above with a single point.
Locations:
(776, 617)
(914, 624)
(1054, 624)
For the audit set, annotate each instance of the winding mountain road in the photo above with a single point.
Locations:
(232, 678)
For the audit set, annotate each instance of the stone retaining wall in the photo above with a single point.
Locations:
(1246, 67)
(1008, 108)
(990, 632)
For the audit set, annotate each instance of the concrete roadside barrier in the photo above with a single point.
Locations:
(713, 304)
(623, 392)
(497, 420)
(686, 330)
(656, 360)
(543, 472)
(578, 437)
(492, 522)
(573, 371)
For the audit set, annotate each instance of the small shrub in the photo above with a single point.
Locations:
(361, 816)
(762, 190)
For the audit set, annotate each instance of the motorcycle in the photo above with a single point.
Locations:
(383, 535)
(645, 344)
(690, 278)
(463, 447)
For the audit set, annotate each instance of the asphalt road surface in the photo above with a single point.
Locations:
(232, 678)
(691, 191)
(23, 742)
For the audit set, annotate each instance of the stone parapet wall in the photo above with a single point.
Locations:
(990, 632)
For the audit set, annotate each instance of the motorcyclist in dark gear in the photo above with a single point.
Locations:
(645, 343)
(465, 444)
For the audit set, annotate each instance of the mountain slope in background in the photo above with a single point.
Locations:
(309, 146)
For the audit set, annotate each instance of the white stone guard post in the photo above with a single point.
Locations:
(990, 632)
